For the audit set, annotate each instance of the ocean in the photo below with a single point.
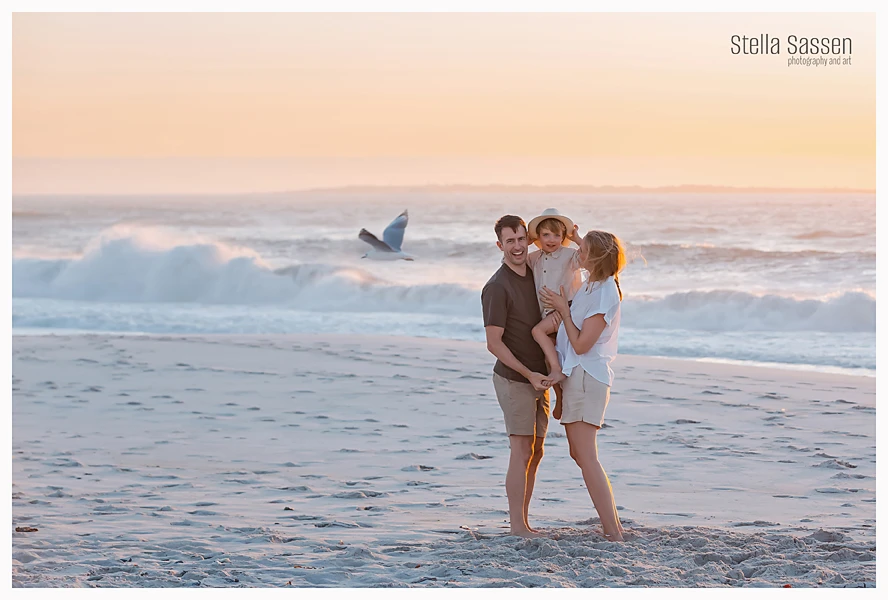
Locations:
(786, 279)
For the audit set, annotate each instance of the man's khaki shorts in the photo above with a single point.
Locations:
(526, 410)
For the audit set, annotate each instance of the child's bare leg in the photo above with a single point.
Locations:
(556, 412)
(543, 333)
(540, 332)
(557, 377)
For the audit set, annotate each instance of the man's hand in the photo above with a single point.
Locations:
(537, 380)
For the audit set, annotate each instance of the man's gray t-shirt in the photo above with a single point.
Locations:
(510, 301)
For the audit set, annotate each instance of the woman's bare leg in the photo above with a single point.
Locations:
(582, 438)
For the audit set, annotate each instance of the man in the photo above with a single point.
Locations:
(511, 310)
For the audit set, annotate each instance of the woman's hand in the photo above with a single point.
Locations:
(555, 301)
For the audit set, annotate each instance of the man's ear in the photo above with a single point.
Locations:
(499, 244)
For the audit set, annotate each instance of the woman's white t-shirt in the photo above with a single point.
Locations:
(596, 298)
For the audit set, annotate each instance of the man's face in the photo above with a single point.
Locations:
(514, 245)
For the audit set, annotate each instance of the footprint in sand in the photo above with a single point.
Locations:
(359, 494)
(834, 464)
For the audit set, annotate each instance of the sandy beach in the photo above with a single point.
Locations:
(334, 460)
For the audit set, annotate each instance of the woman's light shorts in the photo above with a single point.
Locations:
(584, 398)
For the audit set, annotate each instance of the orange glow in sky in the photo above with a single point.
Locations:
(337, 99)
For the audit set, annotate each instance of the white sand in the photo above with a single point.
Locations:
(361, 461)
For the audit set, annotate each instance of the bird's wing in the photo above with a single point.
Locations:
(394, 233)
(374, 241)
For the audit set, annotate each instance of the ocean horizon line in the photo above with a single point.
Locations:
(492, 188)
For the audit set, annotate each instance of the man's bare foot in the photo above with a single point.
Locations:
(614, 537)
(526, 533)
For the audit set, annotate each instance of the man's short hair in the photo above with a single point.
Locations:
(510, 221)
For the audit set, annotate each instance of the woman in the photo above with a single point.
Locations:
(587, 344)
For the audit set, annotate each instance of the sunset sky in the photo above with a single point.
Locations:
(136, 103)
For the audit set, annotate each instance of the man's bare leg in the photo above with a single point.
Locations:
(520, 457)
(531, 477)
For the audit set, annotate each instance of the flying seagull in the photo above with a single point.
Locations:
(389, 248)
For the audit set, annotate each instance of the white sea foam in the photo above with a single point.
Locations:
(151, 266)
(794, 284)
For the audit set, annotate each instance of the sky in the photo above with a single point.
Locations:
(229, 102)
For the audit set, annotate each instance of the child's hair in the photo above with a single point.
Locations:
(553, 225)
(603, 255)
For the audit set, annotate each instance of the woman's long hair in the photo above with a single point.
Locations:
(602, 255)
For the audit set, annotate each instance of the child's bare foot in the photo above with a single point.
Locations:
(556, 412)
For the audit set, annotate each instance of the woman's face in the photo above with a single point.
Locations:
(585, 249)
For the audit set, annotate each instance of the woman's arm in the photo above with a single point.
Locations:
(583, 339)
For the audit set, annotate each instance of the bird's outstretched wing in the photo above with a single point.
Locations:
(394, 233)
(374, 241)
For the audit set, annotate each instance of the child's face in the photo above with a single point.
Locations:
(550, 241)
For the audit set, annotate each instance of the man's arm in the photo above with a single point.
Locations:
(498, 348)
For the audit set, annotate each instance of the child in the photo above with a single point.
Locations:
(554, 265)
